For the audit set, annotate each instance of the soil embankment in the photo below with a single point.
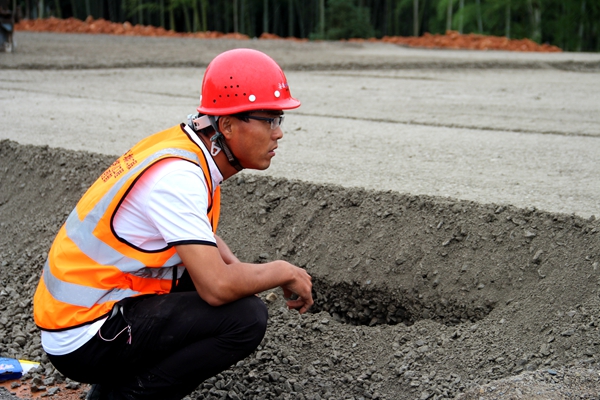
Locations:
(416, 297)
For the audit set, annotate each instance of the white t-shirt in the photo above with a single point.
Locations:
(166, 206)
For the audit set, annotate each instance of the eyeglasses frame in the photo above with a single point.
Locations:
(270, 120)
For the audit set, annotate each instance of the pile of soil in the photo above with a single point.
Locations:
(471, 41)
(96, 26)
(417, 297)
(451, 40)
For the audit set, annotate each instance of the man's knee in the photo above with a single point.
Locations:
(253, 318)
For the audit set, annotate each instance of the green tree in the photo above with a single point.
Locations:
(345, 20)
(573, 25)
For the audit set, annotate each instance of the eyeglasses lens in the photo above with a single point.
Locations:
(276, 122)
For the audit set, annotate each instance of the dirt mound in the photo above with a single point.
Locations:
(471, 41)
(90, 25)
(416, 297)
(451, 40)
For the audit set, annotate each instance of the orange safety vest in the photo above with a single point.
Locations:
(89, 268)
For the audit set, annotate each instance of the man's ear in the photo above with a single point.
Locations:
(225, 125)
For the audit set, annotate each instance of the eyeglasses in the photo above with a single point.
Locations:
(274, 121)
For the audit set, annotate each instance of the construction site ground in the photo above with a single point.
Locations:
(443, 200)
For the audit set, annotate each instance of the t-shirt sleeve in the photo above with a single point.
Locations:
(177, 205)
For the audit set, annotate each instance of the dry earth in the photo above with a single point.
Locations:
(418, 295)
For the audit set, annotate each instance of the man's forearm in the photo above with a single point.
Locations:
(226, 253)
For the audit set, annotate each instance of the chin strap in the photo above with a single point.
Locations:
(217, 141)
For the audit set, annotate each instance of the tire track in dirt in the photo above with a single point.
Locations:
(451, 126)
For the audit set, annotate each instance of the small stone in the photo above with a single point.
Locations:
(37, 380)
(36, 388)
(298, 387)
(271, 297)
(53, 391)
(49, 381)
(73, 385)
(274, 376)
(20, 340)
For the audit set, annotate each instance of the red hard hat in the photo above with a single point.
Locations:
(244, 80)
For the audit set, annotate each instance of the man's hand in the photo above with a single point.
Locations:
(299, 292)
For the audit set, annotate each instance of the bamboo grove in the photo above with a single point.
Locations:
(573, 25)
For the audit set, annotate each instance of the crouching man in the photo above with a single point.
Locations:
(139, 296)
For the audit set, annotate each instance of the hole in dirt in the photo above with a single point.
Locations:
(359, 305)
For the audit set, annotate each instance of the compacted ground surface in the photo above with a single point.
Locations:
(418, 295)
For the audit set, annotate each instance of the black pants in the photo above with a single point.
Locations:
(165, 346)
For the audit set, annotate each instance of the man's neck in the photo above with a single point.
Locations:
(227, 170)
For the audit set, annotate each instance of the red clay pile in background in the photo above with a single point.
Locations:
(451, 40)
(472, 41)
(94, 26)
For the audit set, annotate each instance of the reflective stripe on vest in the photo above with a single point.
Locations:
(79, 295)
(88, 267)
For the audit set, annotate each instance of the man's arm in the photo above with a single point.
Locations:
(220, 283)
(226, 253)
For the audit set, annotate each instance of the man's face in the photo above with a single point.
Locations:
(253, 142)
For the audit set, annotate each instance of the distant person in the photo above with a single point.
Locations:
(139, 296)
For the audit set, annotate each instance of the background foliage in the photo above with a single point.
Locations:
(573, 25)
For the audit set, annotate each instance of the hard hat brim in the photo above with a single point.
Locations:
(279, 105)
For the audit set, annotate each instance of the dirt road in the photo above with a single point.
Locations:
(511, 128)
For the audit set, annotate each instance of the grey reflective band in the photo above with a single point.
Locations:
(80, 295)
(80, 232)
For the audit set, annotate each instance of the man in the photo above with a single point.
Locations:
(139, 296)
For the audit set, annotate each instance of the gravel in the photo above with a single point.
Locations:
(416, 296)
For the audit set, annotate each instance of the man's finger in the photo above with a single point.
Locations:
(301, 305)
